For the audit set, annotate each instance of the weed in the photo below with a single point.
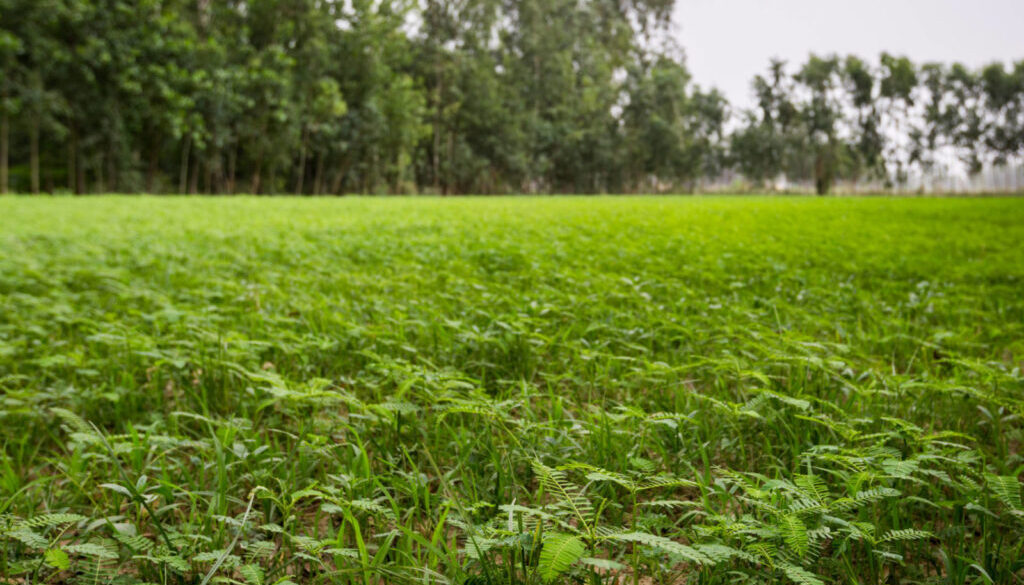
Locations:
(511, 391)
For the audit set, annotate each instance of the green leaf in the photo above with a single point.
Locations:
(560, 551)
(51, 520)
(556, 483)
(905, 535)
(668, 545)
(252, 574)
(58, 559)
(794, 533)
(720, 553)
(28, 538)
(1006, 489)
(864, 498)
(118, 488)
(92, 550)
(800, 575)
(603, 564)
(813, 487)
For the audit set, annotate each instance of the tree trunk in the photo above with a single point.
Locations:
(231, 169)
(318, 178)
(437, 132)
(101, 185)
(73, 160)
(80, 179)
(186, 154)
(208, 177)
(4, 145)
(193, 182)
(302, 164)
(154, 163)
(449, 188)
(340, 177)
(820, 182)
(112, 166)
(33, 162)
(370, 179)
(254, 187)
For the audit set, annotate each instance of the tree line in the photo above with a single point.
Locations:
(451, 96)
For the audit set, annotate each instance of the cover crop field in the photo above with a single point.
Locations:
(499, 391)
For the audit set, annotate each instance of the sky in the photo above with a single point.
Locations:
(727, 42)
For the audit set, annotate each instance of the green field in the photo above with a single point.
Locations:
(497, 391)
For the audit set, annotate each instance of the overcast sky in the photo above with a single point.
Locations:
(727, 42)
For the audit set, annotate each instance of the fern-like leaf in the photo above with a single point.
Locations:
(863, 498)
(50, 520)
(28, 537)
(252, 574)
(559, 553)
(95, 570)
(609, 476)
(794, 533)
(556, 482)
(603, 564)
(93, 550)
(660, 482)
(905, 535)
(720, 553)
(1006, 489)
(668, 545)
(799, 575)
(260, 549)
(813, 487)
(136, 544)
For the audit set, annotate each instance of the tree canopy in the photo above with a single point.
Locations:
(454, 96)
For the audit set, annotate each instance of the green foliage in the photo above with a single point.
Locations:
(824, 121)
(1007, 490)
(333, 96)
(510, 391)
(560, 551)
(452, 97)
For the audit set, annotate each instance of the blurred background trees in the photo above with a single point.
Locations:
(453, 96)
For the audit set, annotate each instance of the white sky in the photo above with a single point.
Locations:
(727, 42)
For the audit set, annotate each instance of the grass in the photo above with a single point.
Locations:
(499, 391)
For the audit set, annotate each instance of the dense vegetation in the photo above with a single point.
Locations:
(498, 391)
(453, 96)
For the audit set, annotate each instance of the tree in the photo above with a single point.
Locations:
(867, 143)
(769, 142)
(10, 46)
(967, 123)
(457, 96)
(820, 115)
(30, 46)
(936, 126)
(1003, 93)
(896, 91)
(674, 133)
